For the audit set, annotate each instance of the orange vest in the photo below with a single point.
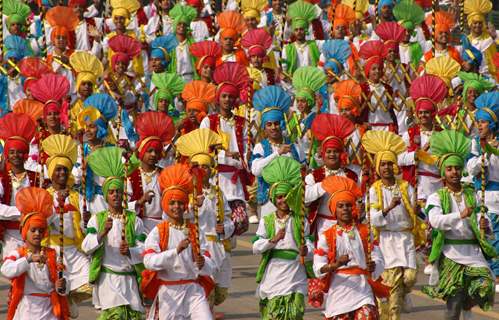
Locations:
(60, 306)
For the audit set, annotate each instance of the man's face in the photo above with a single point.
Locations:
(483, 129)
(120, 22)
(60, 175)
(277, 5)
(332, 158)
(472, 95)
(61, 42)
(273, 130)
(176, 209)
(53, 119)
(15, 29)
(114, 198)
(163, 105)
(157, 65)
(443, 37)
(193, 115)
(151, 157)
(344, 211)
(120, 67)
(91, 132)
(477, 27)
(207, 71)
(251, 23)
(375, 73)
(453, 174)
(35, 235)
(339, 32)
(391, 55)
(302, 105)
(164, 4)
(256, 61)
(227, 101)
(299, 34)
(347, 112)
(181, 28)
(386, 12)
(386, 169)
(228, 44)
(425, 117)
(86, 89)
(16, 157)
(281, 203)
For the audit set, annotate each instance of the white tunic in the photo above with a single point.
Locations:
(184, 62)
(426, 184)
(37, 281)
(207, 224)
(152, 211)
(379, 119)
(76, 263)
(456, 228)
(124, 287)
(303, 54)
(233, 191)
(395, 239)
(347, 292)
(172, 266)
(282, 277)
(12, 237)
(474, 167)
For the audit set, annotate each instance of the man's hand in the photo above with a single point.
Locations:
(146, 198)
(484, 224)
(38, 258)
(108, 226)
(233, 155)
(371, 266)
(343, 260)
(219, 228)
(279, 236)
(200, 261)
(303, 251)
(284, 148)
(466, 213)
(124, 249)
(60, 285)
(183, 245)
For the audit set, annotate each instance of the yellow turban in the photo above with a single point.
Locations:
(385, 145)
(124, 8)
(476, 10)
(62, 150)
(198, 145)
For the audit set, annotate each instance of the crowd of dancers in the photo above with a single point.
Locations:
(140, 139)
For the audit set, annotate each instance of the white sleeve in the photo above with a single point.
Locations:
(13, 266)
(263, 243)
(377, 257)
(377, 218)
(259, 161)
(313, 191)
(321, 256)
(137, 251)
(91, 241)
(439, 220)
(154, 258)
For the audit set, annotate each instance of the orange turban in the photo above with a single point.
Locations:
(342, 189)
(176, 184)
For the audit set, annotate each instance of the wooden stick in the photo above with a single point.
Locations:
(83, 185)
(433, 26)
(195, 209)
(367, 205)
(61, 199)
(483, 209)
(304, 217)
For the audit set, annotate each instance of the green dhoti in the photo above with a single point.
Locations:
(289, 307)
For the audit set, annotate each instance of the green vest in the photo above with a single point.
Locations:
(439, 235)
(292, 55)
(172, 64)
(269, 222)
(97, 257)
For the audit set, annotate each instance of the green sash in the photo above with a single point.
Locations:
(97, 257)
(439, 235)
(269, 222)
(292, 55)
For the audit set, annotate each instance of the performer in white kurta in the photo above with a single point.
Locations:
(214, 212)
(115, 241)
(177, 256)
(460, 245)
(342, 260)
(38, 290)
(391, 203)
(155, 129)
(17, 131)
(283, 241)
(62, 152)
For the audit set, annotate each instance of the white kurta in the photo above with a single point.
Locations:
(303, 54)
(427, 184)
(83, 42)
(396, 241)
(282, 277)
(455, 228)
(37, 281)
(347, 292)
(200, 30)
(474, 167)
(152, 211)
(233, 191)
(76, 263)
(12, 237)
(124, 287)
(15, 91)
(207, 224)
(379, 119)
(184, 62)
(314, 191)
(172, 266)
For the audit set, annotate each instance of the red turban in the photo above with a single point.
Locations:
(371, 62)
(16, 143)
(74, 3)
(119, 57)
(227, 87)
(147, 143)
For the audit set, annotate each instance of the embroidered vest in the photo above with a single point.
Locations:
(292, 55)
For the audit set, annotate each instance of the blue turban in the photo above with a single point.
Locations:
(336, 53)
(107, 108)
(382, 3)
(16, 48)
(161, 47)
(487, 105)
(272, 102)
(469, 53)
